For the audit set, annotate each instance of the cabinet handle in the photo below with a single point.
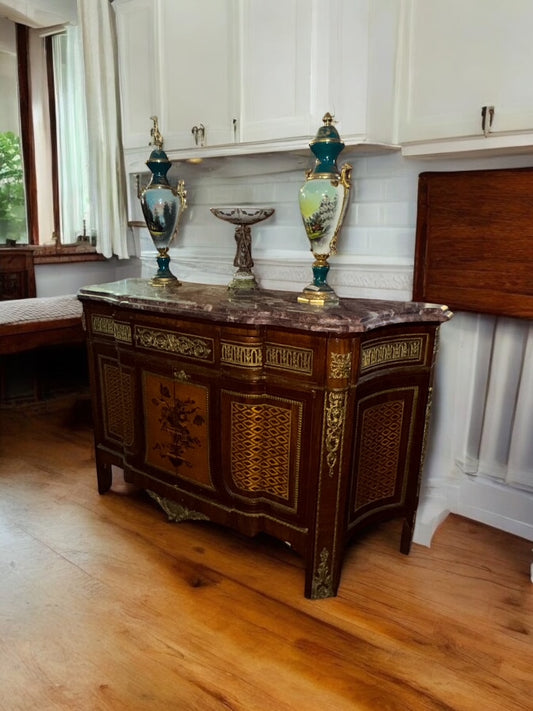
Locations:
(199, 134)
(181, 375)
(487, 112)
(234, 130)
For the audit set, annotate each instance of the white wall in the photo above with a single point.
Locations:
(375, 258)
(67, 278)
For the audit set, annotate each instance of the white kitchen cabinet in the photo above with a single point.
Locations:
(301, 58)
(254, 75)
(177, 60)
(457, 58)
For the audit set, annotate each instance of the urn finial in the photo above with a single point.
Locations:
(157, 138)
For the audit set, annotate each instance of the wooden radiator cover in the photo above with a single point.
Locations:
(474, 241)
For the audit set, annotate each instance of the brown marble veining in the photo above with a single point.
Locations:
(214, 303)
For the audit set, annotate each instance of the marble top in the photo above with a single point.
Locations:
(208, 302)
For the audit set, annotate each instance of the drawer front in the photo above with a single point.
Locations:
(405, 350)
(178, 342)
(102, 325)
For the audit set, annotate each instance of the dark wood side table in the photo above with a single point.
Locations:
(264, 415)
(17, 273)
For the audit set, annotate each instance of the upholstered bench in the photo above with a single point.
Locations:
(26, 324)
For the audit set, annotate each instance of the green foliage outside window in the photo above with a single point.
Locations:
(12, 199)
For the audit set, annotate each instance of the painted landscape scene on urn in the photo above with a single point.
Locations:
(321, 212)
(161, 214)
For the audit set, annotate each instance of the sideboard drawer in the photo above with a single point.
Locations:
(389, 351)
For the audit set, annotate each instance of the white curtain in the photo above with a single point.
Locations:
(108, 186)
(72, 135)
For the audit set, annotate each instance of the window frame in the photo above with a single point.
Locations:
(43, 253)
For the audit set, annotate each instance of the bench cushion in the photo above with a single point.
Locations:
(30, 323)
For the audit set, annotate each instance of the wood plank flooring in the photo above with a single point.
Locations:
(105, 605)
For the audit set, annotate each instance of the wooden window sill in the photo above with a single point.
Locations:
(52, 254)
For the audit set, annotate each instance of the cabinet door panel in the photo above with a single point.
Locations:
(176, 442)
(262, 448)
(389, 426)
(139, 78)
(277, 65)
(176, 417)
(197, 64)
(116, 387)
(462, 56)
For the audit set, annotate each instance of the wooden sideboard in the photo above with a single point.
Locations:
(263, 414)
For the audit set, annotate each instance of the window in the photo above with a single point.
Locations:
(13, 224)
(44, 131)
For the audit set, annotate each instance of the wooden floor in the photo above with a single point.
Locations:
(105, 605)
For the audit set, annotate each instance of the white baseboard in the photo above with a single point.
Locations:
(503, 507)
(480, 499)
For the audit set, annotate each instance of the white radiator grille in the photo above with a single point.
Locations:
(499, 441)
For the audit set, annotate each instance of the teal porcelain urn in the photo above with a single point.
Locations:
(323, 201)
(162, 207)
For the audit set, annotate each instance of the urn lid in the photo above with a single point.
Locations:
(327, 133)
(326, 147)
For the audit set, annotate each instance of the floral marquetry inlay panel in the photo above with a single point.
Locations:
(177, 434)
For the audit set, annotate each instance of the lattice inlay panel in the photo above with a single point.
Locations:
(260, 448)
(117, 387)
(377, 469)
